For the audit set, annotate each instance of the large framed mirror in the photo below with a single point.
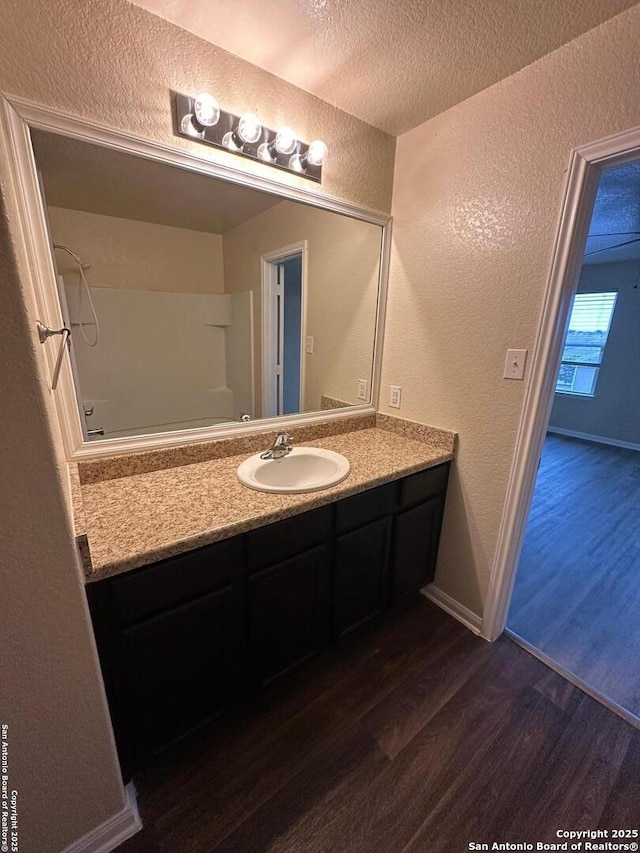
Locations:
(201, 301)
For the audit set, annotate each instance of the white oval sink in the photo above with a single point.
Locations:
(305, 469)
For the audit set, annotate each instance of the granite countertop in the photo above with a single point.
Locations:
(137, 519)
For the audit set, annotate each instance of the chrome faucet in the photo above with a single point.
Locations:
(281, 447)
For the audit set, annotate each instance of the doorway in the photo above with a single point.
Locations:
(283, 330)
(577, 590)
(567, 566)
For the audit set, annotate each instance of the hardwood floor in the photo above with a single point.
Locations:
(414, 735)
(577, 591)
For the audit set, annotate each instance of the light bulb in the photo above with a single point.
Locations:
(264, 152)
(189, 126)
(206, 110)
(285, 141)
(316, 153)
(295, 163)
(229, 141)
(249, 128)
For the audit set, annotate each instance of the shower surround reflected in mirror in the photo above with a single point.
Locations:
(212, 302)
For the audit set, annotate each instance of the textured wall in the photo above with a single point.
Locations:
(477, 195)
(614, 412)
(342, 288)
(61, 759)
(112, 63)
(140, 255)
(394, 64)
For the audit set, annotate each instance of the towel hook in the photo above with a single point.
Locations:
(44, 333)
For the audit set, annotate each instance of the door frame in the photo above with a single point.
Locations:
(269, 280)
(586, 164)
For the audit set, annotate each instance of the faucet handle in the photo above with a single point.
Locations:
(283, 438)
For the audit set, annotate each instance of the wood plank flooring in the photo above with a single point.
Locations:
(414, 735)
(577, 591)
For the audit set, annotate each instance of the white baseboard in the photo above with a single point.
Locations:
(469, 619)
(599, 439)
(113, 831)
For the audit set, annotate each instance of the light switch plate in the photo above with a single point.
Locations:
(514, 363)
(362, 389)
(395, 396)
(309, 344)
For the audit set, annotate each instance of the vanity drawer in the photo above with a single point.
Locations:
(424, 485)
(366, 507)
(137, 595)
(276, 542)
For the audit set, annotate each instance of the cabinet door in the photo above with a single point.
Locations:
(417, 532)
(288, 613)
(177, 670)
(361, 580)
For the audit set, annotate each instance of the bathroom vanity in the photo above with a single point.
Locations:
(184, 638)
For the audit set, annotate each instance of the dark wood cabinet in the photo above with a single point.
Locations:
(288, 614)
(276, 542)
(361, 576)
(182, 640)
(172, 644)
(179, 669)
(417, 533)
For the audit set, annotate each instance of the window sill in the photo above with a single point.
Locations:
(575, 394)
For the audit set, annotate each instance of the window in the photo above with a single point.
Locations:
(584, 345)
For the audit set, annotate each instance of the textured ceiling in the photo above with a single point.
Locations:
(392, 63)
(614, 233)
(81, 176)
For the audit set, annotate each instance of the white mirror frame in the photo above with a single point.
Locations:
(17, 118)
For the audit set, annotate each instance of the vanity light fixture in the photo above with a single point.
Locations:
(201, 118)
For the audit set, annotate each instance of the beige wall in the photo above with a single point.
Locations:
(112, 63)
(138, 255)
(342, 288)
(477, 195)
(614, 412)
(61, 756)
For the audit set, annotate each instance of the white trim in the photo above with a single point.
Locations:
(381, 312)
(269, 275)
(580, 191)
(117, 446)
(269, 281)
(280, 341)
(598, 439)
(574, 679)
(304, 304)
(66, 124)
(114, 831)
(33, 243)
(468, 618)
(252, 354)
(17, 116)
